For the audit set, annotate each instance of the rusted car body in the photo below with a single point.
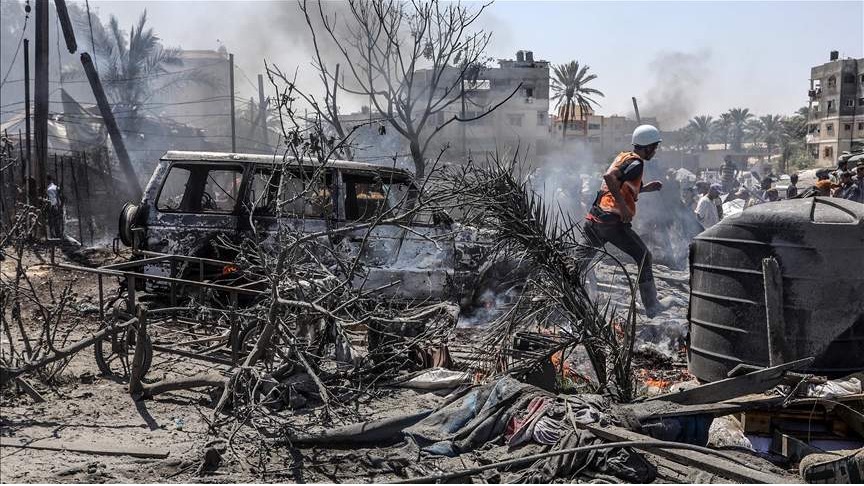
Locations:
(194, 197)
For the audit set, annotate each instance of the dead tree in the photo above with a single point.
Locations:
(410, 59)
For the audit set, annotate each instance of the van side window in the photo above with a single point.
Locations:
(304, 197)
(263, 192)
(368, 196)
(171, 196)
(197, 188)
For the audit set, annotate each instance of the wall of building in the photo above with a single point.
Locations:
(521, 122)
(836, 109)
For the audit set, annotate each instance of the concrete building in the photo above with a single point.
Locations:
(605, 135)
(836, 109)
(520, 122)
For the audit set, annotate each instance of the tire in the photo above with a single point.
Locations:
(114, 354)
(128, 216)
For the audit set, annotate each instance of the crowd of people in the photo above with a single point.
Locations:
(706, 200)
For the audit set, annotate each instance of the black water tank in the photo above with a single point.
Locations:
(819, 244)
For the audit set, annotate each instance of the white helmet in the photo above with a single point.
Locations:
(645, 135)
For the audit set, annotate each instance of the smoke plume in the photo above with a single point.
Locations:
(678, 79)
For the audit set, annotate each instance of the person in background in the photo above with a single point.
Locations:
(728, 173)
(771, 195)
(822, 188)
(842, 166)
(823, 174)
(792, 190)
(55, 208)
(610, 216)
(848, 189)
(859, 180)
(764, 187)
(706, 209)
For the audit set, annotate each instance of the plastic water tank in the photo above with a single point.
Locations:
(819, 245)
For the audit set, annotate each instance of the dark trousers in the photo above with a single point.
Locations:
(624, 238)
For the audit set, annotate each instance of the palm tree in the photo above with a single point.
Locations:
(739, 117)
(701, 128)
(768, 129)
(135, 69)
(569, 85)
(722, 127)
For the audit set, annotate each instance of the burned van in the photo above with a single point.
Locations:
(194, 198)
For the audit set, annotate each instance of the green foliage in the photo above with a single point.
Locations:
(569, 83)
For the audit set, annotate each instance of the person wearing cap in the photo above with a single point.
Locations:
(609, 219)
(842, 166)
(848, 189)
(706, 209)
(823, 174)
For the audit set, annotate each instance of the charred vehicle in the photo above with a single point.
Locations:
(195, 198)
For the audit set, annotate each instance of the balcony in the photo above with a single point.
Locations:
(815, 93)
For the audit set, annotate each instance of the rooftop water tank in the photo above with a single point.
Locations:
(819, 246)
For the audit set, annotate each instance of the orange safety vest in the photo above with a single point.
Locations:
(629, 190)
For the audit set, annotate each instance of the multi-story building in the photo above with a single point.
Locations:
(520, 122)
(605, 135)
(836, 109)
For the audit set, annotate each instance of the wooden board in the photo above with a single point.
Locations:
(710, 463)
(86, 448)
(718, 391)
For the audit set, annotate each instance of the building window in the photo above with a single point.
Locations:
(529, 92)
(541, 118)
(862, 79)
(860, 126)
(860, 101)
(847, 127)
(828, 152)
(848, 78)
(850, 102)
(830, 106)
(593, 126)
(829, 127)
(515, 119)
(832, 82)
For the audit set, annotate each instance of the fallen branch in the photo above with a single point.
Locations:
(9, 374)
(209, 379)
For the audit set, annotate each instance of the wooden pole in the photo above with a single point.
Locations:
(66, 25)
(133, 187)
(262, 116)
(231, 87)
(40, 111)
(27, 129)
(77, 202)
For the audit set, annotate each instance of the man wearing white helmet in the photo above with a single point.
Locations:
(609, 219)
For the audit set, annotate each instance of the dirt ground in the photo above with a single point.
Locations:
(83, 407)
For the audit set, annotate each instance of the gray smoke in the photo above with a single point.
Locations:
(678, 79)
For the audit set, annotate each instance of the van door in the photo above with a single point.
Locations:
(198, 202)
(406, 261)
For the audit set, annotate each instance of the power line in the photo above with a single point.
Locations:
(17, 49)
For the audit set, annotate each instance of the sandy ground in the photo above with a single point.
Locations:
(83, 407)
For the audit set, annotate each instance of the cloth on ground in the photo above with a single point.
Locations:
(478, 416)
(521, 429)
(624, 464)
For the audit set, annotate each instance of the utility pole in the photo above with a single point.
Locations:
(134, 188)
(231, 85)
(262, 115)
(66, 25)
(28, 143)
(464, 128)
(40, 111)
